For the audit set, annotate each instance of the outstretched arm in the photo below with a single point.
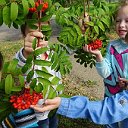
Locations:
(107, 111)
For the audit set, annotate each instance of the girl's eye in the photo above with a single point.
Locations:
(117, 21)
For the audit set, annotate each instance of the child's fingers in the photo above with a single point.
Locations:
(43, 43)
(123, 79)
(36, 34)
(43, 108)
(28, 47)
(55, 101)
(85, 47)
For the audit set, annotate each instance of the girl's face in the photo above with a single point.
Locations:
(122, 22)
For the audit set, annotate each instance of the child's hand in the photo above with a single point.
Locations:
(28, 42)
(50, 104)
(86, 48)
(95, 52)
(123, 83)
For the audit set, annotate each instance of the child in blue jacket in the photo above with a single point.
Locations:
(110, 110)
(113, 68)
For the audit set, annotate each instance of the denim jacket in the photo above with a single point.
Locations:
(110, 110)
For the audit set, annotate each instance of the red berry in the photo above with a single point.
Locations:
(24, 100)
(36, 4)
(95, 44)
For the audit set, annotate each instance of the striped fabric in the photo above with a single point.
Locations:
(8, 122)
(23, 119)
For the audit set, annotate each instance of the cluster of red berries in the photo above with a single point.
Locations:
(26, 99)
(44, 7)
(95, 44)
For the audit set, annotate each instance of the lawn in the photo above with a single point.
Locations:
(9, 48)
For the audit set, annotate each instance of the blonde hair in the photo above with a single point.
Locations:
(121, 4)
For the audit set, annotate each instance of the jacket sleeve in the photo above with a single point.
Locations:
(104, 68)
(107, 111)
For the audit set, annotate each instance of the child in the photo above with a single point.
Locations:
(108, 111)
(22, 54)
(114, 67)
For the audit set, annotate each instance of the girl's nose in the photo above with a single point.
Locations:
(122, 24)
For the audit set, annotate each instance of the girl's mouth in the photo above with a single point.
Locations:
(122, 32)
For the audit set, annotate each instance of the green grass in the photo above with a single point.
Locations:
(9, 48)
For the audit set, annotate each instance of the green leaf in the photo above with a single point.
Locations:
(2, 2)
(31, 21)
(16, 89)
(44, 81)
(45, 90)
(33, 83)
(38, 88)
(46, 28)
(21, 79)
(96, 29)
(44, 69)
(32, 3)
(77, 28)
(3, 106)
(26, 67)
(14, 11)
(52, 93)
(30, 75)
(6, 15)
(34, 43)
(25, 7)
(106, 21)
(62, 69)
(5, 67)
(39, 8)
(55, 60)
(40, 51)
(29, 59)
(45, 18)
(90, 23)
(1, 17)
(60, 87)
(18, 71)
(43, 74)
(32, 26)
(15, 25)
(2, 84)
(13, 65)
(55, 80)
(8, 84)
(101, 26)
(42, 63)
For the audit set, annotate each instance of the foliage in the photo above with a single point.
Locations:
(11, 83)
(73, 86)
(15, 13)
(79, 29)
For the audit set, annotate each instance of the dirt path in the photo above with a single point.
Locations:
(78, 73)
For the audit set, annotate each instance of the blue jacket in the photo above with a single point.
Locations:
(110, 110)
(114, 65)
